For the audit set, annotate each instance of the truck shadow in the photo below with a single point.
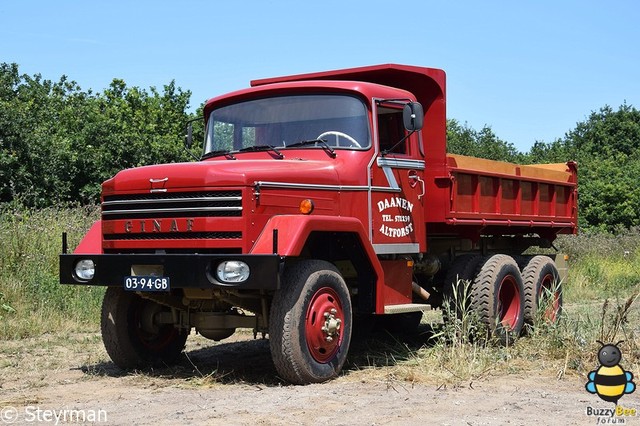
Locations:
(249, 361)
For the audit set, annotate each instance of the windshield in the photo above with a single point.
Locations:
(283, 121)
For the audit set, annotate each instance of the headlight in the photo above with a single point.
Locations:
(233, 271)
(85, 269)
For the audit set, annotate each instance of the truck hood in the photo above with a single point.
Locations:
(222, 173)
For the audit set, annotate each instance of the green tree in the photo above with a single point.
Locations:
(554, 152)
(128, 127)
(607, 148)
(609, 194)
(30, 153)
(606, 133)
(462, 139)
(9, 130)
(58, 143)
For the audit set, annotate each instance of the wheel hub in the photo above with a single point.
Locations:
(323, 324)
(147, 318)
(331, 325)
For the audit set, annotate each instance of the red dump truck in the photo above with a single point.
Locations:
(320, 199)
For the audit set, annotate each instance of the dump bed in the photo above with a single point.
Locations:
(488, 195)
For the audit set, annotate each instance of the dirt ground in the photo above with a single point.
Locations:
(235, 383)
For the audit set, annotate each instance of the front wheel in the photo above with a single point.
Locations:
(131, 335)
(310, 324)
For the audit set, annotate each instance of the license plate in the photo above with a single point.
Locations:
(146, 283)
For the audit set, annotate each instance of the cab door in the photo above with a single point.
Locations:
(398, 189)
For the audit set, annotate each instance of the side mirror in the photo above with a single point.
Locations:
(413, 116)
(188, 137)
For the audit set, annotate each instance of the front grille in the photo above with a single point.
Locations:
(176, 236)
(170, 205)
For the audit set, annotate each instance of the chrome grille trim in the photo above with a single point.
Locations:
(172, 204)
(173, 210)
(171, 200)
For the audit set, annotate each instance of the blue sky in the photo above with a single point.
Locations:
(529, 69)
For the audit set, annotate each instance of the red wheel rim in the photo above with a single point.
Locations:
(508, 302)
(549, 298)
(323, 324)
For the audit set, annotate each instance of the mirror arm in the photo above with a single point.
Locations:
(404, 138)
(188, 137)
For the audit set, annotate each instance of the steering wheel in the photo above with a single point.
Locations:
(339, 135)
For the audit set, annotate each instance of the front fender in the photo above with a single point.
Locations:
(92, 241)
(294, 230)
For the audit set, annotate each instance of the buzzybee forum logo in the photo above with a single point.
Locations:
(610, 382)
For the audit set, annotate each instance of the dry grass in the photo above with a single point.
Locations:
(566, 349)
(447, 357)
(32, 363)
(44, 324)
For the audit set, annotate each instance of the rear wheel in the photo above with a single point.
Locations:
(456, 290)
(497, 297)
(131, 335)
(310, 324)
(542, 290)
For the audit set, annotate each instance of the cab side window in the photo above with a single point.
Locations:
(391, 129)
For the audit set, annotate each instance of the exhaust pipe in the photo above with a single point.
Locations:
(424, 294)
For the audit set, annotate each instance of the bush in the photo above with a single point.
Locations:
(602, 265)
(31, 299)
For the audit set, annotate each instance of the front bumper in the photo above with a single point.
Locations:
(184, 270)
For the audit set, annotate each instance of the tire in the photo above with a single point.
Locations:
(456, 297)
(130, 338)
(497, 297)
(542, 290)
(312, 298)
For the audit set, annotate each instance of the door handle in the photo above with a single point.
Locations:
(414, 179)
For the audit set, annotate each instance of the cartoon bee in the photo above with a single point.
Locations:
(610, 381)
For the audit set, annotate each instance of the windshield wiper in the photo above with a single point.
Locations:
(263, 148)
(225, 152)
(321, 142)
